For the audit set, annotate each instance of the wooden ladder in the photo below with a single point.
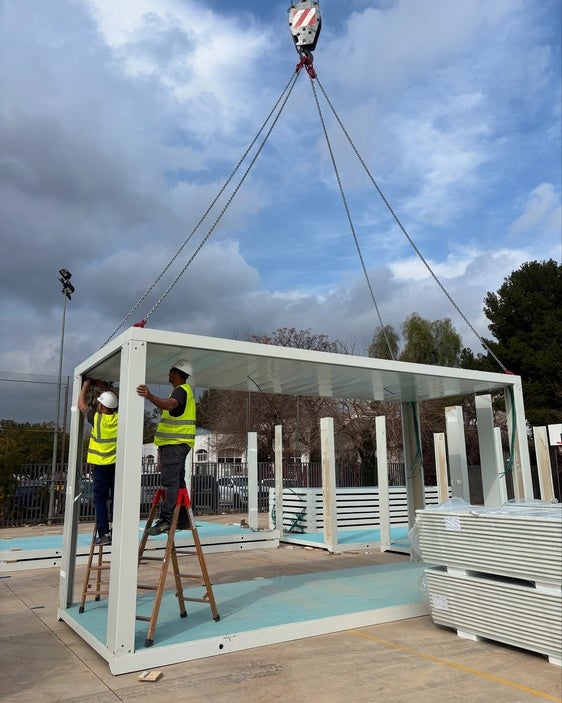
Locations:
(98, 588)
(171, 554)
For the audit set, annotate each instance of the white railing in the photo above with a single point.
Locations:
(303, 508)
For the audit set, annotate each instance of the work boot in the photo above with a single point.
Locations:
(103, 540)
(159, 528)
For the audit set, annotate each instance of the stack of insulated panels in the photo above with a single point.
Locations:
(499, 573)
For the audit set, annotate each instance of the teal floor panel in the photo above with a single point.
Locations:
(265, 603)
(398, 536)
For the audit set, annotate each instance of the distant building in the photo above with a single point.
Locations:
(204, 452)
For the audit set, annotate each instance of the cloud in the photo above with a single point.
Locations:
(121, 121)
(542, 215)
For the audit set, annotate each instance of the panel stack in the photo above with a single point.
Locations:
(498, 572)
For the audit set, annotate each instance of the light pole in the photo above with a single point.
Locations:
(67, 291)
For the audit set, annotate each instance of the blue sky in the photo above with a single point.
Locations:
(121, 121)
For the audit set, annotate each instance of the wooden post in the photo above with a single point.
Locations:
(543, 463)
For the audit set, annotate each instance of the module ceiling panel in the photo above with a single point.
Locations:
(246, 366)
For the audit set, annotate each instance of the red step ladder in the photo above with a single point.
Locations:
(171, 554)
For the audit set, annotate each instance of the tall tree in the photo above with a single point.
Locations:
(298, 339)
(22, 443)
(525, 317)
(233, 414)
(385, 344)
(425, 342)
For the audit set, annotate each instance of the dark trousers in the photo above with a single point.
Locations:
(172, 477)
(104, 482)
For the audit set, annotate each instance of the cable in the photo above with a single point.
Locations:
(351, 226)
(410, 240)
(230, 199)
(288, 87)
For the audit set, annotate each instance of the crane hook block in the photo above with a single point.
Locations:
(305, 24)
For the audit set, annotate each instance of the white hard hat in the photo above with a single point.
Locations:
(108, 399)
(183, 365)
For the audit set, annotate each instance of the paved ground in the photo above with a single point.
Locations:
(412, 660)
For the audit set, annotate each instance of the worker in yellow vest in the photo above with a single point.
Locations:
(174, 437)
(102, 453)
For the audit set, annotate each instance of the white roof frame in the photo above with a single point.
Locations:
(246, 366)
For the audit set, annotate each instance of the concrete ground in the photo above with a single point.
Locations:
(410, 660)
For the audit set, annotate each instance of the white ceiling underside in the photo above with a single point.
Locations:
(245, 366)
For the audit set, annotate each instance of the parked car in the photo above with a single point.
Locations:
(267, 483)
(233, 492)
(204, 494)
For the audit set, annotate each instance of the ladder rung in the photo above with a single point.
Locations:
(142, 617)
(146, 587)
(97, 593)
(197, 600)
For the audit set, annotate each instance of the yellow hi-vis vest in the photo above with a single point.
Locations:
(178, 430)
(102, 448)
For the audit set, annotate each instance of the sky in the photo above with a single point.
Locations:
(121, 122)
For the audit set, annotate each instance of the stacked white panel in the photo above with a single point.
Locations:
(504, 611)
(499, 574)
(513, 541)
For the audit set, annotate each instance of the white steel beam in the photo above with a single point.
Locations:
(279, 478)
(440, 449)
(253, 480)
(413, 460)
(125, 539)
(500, 465)
(517, 430)
(329, 483)
(382, 472)
(456, 447)
(487, 446)
(72, 504)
